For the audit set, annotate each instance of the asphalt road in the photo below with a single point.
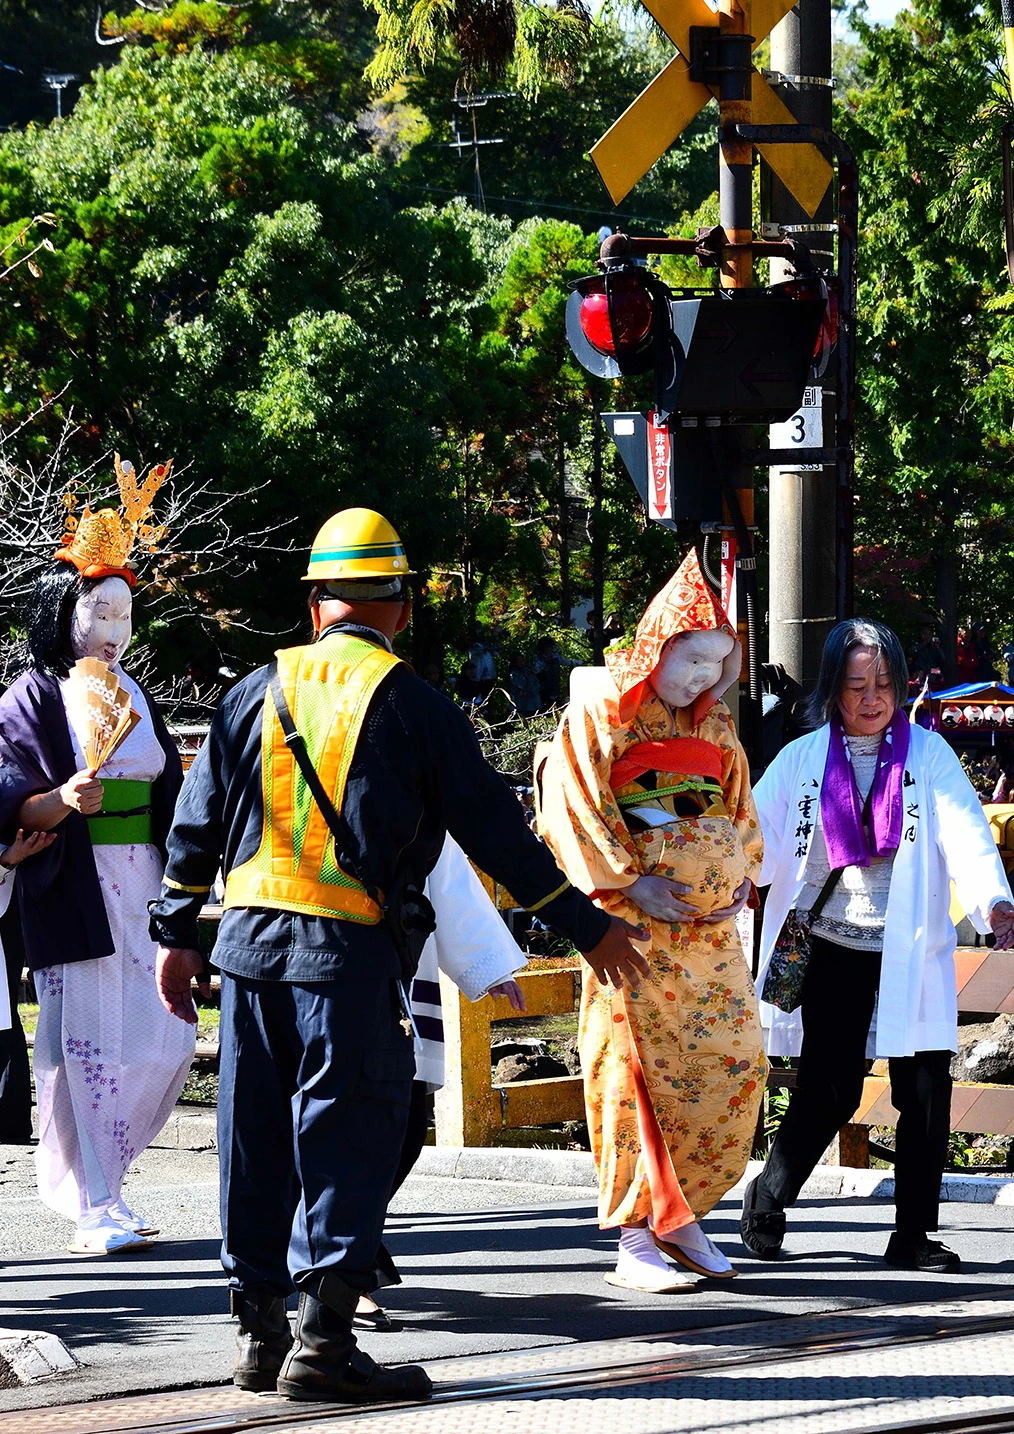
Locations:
(488, 1266)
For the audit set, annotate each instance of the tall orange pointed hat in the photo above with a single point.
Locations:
(687, 603)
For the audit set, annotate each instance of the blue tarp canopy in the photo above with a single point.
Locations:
(971, 689)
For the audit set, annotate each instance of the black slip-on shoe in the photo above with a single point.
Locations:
(762, 1231)
(929, 1255)
(378, 1320)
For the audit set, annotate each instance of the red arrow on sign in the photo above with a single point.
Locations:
(723, 331)
(659, 468)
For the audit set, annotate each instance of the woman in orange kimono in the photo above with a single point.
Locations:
(646, 805)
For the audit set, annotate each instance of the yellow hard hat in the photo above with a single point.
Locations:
(356, 543)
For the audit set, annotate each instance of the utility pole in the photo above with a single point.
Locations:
(804, 504)
(56, 83)
(470, 103)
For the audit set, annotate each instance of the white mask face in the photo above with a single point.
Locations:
(691, 664)
(101, 624)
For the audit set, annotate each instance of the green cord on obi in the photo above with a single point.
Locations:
(638, 799)
(125, 818)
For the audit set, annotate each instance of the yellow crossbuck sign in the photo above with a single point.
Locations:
(660, 113)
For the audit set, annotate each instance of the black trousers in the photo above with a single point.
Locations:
(315, 1089)
(419, 1116)
(15, 1080)
(839, 993)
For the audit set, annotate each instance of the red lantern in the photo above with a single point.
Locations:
(618, 322)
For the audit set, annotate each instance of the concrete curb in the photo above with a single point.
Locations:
(190, 1127)
(193, 1128)
(575, 1168)
(527, 1167)
(27, 1357)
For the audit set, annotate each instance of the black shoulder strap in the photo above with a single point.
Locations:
(296, 745)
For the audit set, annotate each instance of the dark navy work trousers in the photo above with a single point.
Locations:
(314, 1092)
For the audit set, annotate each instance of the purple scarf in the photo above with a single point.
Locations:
(841, 808)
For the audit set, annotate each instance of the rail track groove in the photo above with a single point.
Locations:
(633, 1366)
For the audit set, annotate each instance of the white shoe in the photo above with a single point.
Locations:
(639, 1266)
(123, 1215)
(692, 1248)
(106, 1237)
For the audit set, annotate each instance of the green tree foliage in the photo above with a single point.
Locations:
(541, 166)
(935, 521)
(231, 282)
(236, 279)
(524, 40)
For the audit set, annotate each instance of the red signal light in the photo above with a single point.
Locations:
(618, 322)
(809, 287)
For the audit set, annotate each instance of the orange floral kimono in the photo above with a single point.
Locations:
(674, 1072)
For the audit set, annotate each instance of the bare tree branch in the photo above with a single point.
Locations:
(202, 542)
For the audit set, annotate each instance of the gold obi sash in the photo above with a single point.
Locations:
(328, 688)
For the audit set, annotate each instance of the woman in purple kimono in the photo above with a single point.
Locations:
(109, 1061)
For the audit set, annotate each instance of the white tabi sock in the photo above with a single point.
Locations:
(639, 1261)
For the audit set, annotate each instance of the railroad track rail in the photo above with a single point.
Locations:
(649, 1366)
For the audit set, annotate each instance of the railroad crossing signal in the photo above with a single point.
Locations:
(661, 112)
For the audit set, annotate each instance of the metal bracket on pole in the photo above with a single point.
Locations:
(776, 78)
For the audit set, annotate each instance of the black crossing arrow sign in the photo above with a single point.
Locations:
(660, 113)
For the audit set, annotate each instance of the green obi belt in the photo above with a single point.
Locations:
(125, 818)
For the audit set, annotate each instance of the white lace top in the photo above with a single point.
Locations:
(854, 913)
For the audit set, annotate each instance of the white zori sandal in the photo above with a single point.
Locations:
(691, 1247)
(123, 1215)
(106, 1237)
(639, 1266)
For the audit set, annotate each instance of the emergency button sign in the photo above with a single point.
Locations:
(659, 469)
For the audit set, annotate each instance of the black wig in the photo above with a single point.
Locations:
(49, 614)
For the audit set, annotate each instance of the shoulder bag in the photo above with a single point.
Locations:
(783, 984)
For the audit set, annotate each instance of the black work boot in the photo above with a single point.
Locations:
(325, 1362)
(264, 1337)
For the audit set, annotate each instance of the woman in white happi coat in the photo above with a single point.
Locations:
(472, 947)
(886, 804)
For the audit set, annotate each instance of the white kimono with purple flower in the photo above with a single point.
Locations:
(110, 1062)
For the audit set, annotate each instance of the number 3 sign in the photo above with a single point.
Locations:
(805, 429)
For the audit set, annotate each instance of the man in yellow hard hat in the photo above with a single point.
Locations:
(325, 791)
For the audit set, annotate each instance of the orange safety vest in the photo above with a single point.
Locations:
(328, 687)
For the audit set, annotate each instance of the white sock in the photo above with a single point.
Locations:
(636, 1245)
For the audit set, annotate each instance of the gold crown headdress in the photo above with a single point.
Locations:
(99, 543)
